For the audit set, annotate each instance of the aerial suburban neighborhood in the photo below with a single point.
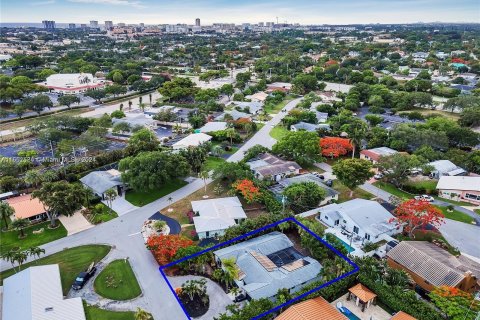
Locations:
(319, 169)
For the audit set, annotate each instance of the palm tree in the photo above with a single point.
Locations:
(32, 177)
(130, 105)
(357, 130)
(9, 256)
(217, 150)
(230, 271)
(141, 314)
(35, 252)
(49, 176)
(204, 175)
(20, 257)
(230, 133)
(20, 224)
(5, 212)
(121, 106)
(110, 195)
(194, 288)
(150, 98)
(142, 107)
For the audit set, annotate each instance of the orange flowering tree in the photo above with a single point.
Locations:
(417, 214)
(334, 147)
(247, 189)
(455, 303)
(164, 247)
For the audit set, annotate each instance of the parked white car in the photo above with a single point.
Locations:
(425, 197)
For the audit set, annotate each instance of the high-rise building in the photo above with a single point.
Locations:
(83, 25)
(94, 24)
(49, 24)
(108, 25)
(71, 26)
(261, 24)
(121, 24)
(142, 25)
(197, 22)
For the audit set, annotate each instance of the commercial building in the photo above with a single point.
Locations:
(431, 266)
(36, 293)
(73, 83)
(94, 24)
(268, 263)
(48, 24)
(108, 25)
(213, 216)
(71, 26)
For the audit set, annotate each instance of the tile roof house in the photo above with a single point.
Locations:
(331, 194)
(216, 215)
(374, 154)
(36, 294)
(402, 316)
(268, 166)
(192, 140)
(27, 207)
(313, 309)
(279, 86)
(431, 266)
(362, 295)
(460, 188)
(268, 263)
(101, 181)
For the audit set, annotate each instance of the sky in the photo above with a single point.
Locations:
(238, 11)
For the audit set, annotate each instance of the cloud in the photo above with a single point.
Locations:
(129, 3)
(43, 3)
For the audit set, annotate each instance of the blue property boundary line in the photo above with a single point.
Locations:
(223, 244)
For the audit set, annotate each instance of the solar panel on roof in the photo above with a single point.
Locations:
(295, 265)
(264, 261)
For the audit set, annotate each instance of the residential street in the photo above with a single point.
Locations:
(123, 234)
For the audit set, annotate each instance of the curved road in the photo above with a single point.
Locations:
(123, 234)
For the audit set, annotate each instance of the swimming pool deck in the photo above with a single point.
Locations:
(371, 313)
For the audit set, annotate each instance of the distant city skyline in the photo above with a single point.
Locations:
(242, 11)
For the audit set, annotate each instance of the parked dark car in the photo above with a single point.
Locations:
(329, 182)
(82, 278)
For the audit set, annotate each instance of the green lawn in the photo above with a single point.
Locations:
(212, 162)
(140, 199)
(345, 192)
(9, 239)
(390, 188)
(456, 215)
(104, 215)
(429, 185)
(277, 108)
(278, 132)
(95, 313)
(71, 261)
(477, 211)
(457, 203)
(117, 281)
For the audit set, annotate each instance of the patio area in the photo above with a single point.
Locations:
(373, 312)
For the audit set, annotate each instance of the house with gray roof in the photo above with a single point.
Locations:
(357, 222)
(268, 166)
(36, 293)
(268, 263)
(213, 126)
(101, 181)
(310, 127)
(213, 216)
(431, 266)
(331, 194)
(253, 107)
(445, 168)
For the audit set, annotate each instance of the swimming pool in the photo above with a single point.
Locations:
(349, 314)
(346, 245)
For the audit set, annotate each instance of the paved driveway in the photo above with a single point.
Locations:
(461, 235)
(219, 300)
(121, 206)
(75, 223)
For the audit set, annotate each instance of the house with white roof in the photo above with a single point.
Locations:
(213, 216)
(213, 126)
(73, 83)
(268, 263)
(192, 140)
(305, 126)
(445, 168)
(460, 188)
(258, 97)
(357, 222)
(36, 294)
(373, 155)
